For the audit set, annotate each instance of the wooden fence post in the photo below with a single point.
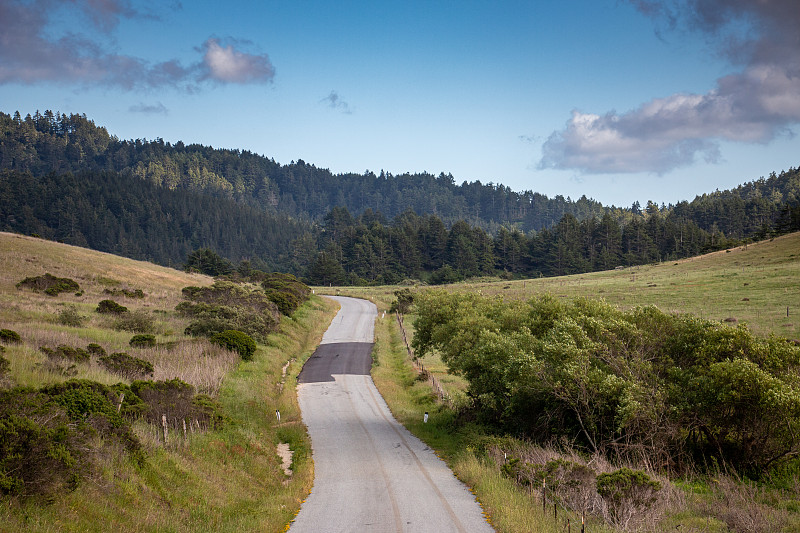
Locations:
(164, 423)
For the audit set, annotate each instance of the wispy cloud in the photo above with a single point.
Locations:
(753, 105)
(225, 64)
(30, 54)
(334, 101)
(149, 109)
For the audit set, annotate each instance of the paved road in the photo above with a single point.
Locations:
(371, 474)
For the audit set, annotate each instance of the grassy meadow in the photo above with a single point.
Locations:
(227, 478)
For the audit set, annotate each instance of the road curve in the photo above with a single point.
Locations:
(371, 474)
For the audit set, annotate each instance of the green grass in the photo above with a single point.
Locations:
(228, 479)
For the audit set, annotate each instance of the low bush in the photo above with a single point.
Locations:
(5, 365)
(127, 366)
(49, 284)
(75, 355)
(626, 493)
(69, 316)
(127, 293)
(236, 341)
(142, 340)
(226, 305)
(48, 436)
(139, 321)
(175, 399)
(9, 336)
(110, 307)
(95, 349)
(287, 302)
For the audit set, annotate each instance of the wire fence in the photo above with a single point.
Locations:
(420, 367)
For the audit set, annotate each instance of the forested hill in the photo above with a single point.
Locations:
(64, 178)
(59, 143)
(71, 143)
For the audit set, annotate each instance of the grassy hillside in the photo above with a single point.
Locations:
(222, 477)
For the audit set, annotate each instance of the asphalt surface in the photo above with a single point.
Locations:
(371, 474)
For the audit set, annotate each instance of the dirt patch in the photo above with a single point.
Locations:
(286, 458)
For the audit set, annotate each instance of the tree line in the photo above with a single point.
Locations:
(372, 250)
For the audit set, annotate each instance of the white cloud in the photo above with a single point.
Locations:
(227, 65)
(30, 54)
(754, 105)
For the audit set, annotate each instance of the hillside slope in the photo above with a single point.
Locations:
(215, 468)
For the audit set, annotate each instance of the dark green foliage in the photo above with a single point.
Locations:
(95, 349)
(111, 307)
(143, 341)
(626, 492)
(49, 284)
(47, 436)
(176, 400)
(226, 305)
(206, 327)
(285, 291)
(326, 270)
(209, 262)
(9, 336)
(403, 301)
(75, 355)
(236, 341)
(5, 364)
(127, 366)
(128, 293)
(673, 390)
(286, 302)
(139, 321)
(69, 316)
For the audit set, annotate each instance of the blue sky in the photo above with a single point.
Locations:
(620, 100)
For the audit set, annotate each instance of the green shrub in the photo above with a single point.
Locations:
(236, 341)
(143, 341)
(49, 284)
(226, 305)
(626, 492)
(76, 355)
(95, 349)
(127, 366)
(5, 366)
(287, 303)
(128, 293)
(110, 307)
(9, 336)
(69, 316)
(404, 299)
(139, 321)
(39, 447)
(175, 399)
(48, 437)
